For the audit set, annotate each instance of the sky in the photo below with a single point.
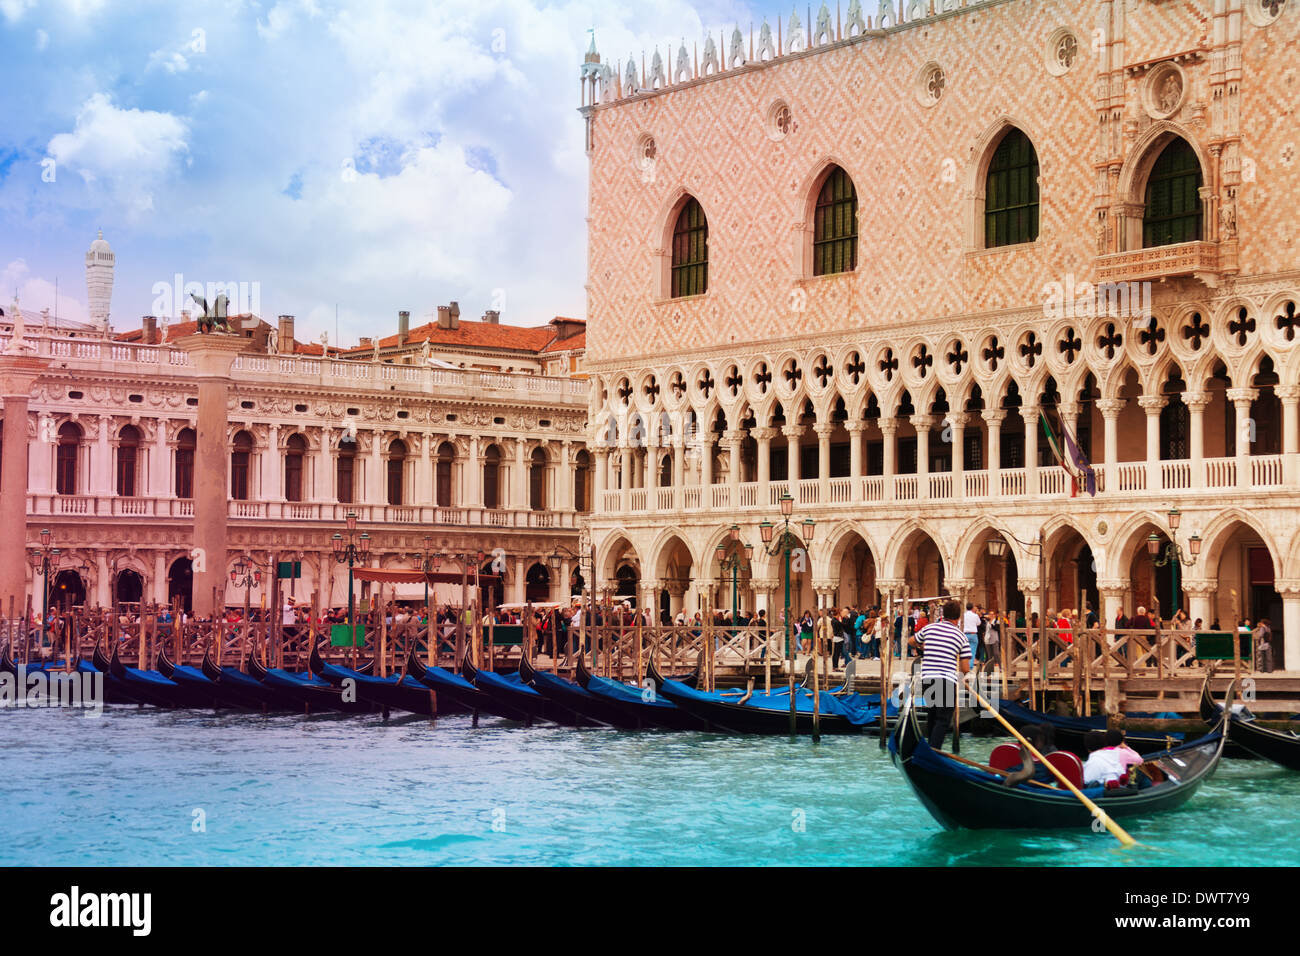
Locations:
(368, 156)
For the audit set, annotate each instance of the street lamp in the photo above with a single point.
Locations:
(351, 552)
(429, 561)
(44, 560)
(1172, 552)
(729, 559)
(786, 544)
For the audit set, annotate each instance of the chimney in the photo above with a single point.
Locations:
(366, 342)
(149, 330)
(185, 315)
(492, 317)
(284, 336)
(444, 316)
(455, 314)
(403, 328)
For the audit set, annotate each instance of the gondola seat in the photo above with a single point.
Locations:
(1005, 757)
(1071, 767)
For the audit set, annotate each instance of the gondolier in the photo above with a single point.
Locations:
(945, 655)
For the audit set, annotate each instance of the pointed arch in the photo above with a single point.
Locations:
(983, 156)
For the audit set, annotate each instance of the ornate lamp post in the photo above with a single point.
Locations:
(1172, 552)
(429, 561)
(786, 544)
(44, 560)
(351, 551)
(245, 574)
(729, 559)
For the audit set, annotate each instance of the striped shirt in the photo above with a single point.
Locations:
(943, 643)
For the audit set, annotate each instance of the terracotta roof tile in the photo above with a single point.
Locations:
(472, 334)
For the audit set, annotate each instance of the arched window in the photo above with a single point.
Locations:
(240, 457)
(835, 225)
(442, 477)
(690, 270)
(1011, 192)
(396, 468)
(186, 442)
(537, 480)
(344, 469)
(582, 482)
(1173, 197)
(492, 477)
(1175, 426)
(294, 455)
(65, 459)
(128, 456)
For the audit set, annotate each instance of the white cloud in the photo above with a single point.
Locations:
(283, 15)
(42, 40)
(126, 151)
(36, 293)
(13, 10)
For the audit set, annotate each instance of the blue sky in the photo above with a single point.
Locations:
(375, 155)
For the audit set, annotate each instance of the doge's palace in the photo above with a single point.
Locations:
(953, 275)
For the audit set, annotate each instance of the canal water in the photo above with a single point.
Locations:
(135, 787)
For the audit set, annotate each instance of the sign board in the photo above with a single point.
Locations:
(288, 569)
(339, 636)
(1217, 646)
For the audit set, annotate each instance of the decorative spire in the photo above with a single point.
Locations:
(795, 33)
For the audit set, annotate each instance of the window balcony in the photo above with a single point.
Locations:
(1199, 259)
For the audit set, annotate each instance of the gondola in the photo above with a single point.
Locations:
(399, 692)
(961, 796)
(456, 695)
(1280, 746)
(510, 692)
(1071, 733)
(243, 690)
(112, 694)
(150, 687)
(190, 677)
(582, 708)
(644, 706)
(314, 692)
(754, 712)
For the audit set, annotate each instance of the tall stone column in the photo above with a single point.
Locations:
(18, 373)
(955, 426)
(473, 490)
(1110, 409)
(101, 462)
(1289, 395)
(824, 431)
(159, 463)
(1153, 405)
(519, 494)
(889, 429)
(599, 470)
(792, 434)
(855, 430)
(1030, 414)
(212, 356)
(922, 424)
(1290, 592)
(1196, 403)
(1241, 399)
(993, 420)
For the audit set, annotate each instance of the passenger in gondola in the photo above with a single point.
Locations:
(1043, 738)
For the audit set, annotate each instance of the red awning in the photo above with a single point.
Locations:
(415, 576)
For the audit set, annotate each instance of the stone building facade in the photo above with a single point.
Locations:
(863, 259)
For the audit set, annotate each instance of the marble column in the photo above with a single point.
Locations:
(792, 435)
(519, 495)
(993, 420)
(1196, 403)
(889, 430)
(159, 463)
(1289, 395)
(1110, 409)
(1290, 593)
(600, 467)
(956, 423)
(212, 356)
(923, 424)
(18, 373)
(1030, 414)
(855, 430)
(1241, 399)
(473, 490)
(1153, 405)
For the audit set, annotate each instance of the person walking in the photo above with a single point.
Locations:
(970, 624)
(945, 656)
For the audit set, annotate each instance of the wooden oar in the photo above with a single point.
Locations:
(1115, 829)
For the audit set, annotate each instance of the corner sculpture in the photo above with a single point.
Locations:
(214, 317)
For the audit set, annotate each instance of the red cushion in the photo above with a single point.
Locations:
(1005, 756)
(1071, 767)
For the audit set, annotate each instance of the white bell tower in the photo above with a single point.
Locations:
(99, 281)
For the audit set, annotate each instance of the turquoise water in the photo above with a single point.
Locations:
(128, 787)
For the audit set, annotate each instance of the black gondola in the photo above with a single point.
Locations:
(456, 695)
(243, 690)
(113, 693)
(747, 712)
(1280, 746)
(399, 692)
(511, 693)
(581, 708)
(314, 692)
(151, 687)
(959, 795)
(192, 678)
(646, 709)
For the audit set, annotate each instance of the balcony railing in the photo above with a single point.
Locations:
(1129, 478)
(1159, 262)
